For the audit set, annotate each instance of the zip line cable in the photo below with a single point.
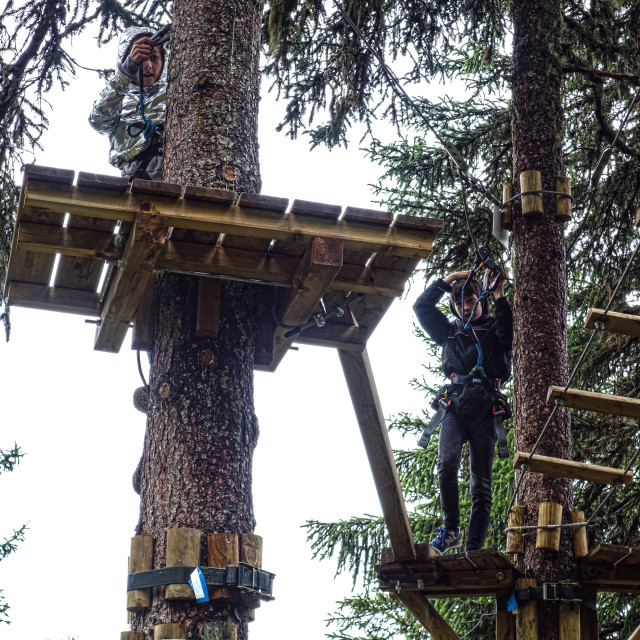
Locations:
(578, 364)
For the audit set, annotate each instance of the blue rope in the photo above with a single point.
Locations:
(478, 369)
(147, 128)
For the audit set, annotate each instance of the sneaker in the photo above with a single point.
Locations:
(446, 540)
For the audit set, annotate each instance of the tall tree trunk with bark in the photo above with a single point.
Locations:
(201, 429)
(540, 304)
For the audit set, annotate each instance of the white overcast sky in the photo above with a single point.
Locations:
(70, 410)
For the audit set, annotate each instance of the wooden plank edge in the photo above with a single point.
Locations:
(46, 298)
(573, 470)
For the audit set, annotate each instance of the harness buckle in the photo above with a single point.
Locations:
(550, 591)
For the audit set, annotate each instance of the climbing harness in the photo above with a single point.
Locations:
(500, 410)
(148, 128)
(492, 278)
(476, 376)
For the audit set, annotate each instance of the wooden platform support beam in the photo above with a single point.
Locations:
(598, 402)
(589, 615)
(623, 323)
(318, 268)
(127, 288)
(636, 634)
(505, 620)
(428, 617)
(561, 468)
(366, 403)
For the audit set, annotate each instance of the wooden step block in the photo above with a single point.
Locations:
(623, 323)
(598, 402)
(570, 469)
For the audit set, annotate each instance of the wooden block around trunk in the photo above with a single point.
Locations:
(549, 513)
(515, 539)
(527, 613)
(531, 181)
(170, 631)
(140, 559)
(223, 551)
(569, 621)
(580, 546)
(183, 550)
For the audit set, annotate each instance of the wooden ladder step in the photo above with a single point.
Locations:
(623, 323)
(570, 469)
(598, 402)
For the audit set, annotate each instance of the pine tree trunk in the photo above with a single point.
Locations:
(201, 428)
(540, 304)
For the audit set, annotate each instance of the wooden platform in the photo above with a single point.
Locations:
(612, 568)
(597, 402)
(463, 575)
(569, 469)
(304, 252)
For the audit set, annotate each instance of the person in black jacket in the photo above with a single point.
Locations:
(475, 365)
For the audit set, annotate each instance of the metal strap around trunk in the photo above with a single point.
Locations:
(244, 577)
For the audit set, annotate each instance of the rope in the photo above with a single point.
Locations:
(560, 399)
(147, 128)
(144, 381)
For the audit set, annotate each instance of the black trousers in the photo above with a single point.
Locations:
(469, 419)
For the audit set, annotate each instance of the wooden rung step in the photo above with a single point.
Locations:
(623, 323)
(570, 469)
(598, 402)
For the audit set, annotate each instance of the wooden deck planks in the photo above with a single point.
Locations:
(215, 233)
(622, 323)
(204, 216)
(598, 402)
(313, 276)
(569, 469)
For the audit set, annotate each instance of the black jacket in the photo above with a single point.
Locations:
(459, 353)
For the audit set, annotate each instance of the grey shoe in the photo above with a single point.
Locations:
(446, 540)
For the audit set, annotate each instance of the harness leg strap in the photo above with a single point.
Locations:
(433, 424)
(501, 435)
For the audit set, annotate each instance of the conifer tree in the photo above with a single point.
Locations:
(8, 461)
(548, 85)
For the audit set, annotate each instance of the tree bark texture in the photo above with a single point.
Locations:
(201, 428)
(540, 302)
